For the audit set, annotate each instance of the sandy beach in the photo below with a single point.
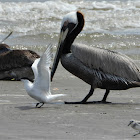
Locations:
(20, 120)
(109, 24)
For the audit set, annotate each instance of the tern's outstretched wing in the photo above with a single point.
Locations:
(43, 78)
(34, 67)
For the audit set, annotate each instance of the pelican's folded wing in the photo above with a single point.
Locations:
(109, 62)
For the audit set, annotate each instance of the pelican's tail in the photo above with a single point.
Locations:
(135, 84)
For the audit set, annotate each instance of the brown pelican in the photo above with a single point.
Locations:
(15, 64)
(100, 68)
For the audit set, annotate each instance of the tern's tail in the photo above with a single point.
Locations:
(52, 97)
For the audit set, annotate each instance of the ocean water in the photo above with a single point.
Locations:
(110, 24)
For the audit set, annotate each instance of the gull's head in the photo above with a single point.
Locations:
(131, 122)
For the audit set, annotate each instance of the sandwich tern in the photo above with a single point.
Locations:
(40, 88)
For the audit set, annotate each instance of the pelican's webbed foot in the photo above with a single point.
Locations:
(37, 105)
(75, 102)
(90, 102)
(84, 101)
(102, 102)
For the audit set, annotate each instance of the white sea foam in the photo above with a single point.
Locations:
(26, 17)
(45, 16)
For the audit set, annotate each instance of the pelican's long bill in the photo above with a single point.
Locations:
(57, 56)
(69, 23)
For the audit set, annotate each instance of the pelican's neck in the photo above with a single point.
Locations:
(71, 37)
(68, 44)
(67, 37)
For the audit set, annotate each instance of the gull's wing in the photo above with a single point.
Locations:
(42, 80)
(34, 67)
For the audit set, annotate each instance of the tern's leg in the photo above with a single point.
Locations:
(37, 105)
(84, 101)
(136, 134)
(40, 105)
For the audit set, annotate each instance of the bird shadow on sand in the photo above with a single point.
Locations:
(100, 103)
(33, 106)
(25, 107)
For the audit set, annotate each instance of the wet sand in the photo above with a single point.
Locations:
(20, 120)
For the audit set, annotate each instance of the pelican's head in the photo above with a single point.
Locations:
(71, 26)
(4, 48)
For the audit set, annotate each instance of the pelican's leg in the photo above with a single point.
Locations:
(105, 97)
(40, 105)
(84, 101)
(89, 94)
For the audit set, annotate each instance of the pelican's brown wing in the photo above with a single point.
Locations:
(17, 59)
(107, 61)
